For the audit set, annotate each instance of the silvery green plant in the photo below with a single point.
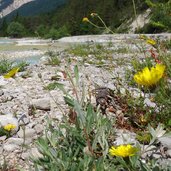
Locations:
(75, 144)
(156, 133)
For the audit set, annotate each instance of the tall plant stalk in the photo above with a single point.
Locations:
(135, 12)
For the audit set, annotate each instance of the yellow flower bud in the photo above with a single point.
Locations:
(85, 19)
(151, 42)
(93, 14)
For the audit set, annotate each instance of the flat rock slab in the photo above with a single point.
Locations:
(109, 38)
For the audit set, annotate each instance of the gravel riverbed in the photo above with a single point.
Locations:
(27, 89)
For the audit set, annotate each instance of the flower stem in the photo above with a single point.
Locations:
(135, 13)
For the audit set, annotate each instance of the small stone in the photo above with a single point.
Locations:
(42, 104)
(90, 56)
(1, 151)
(125, 137)
(29, 133)
(38, 128)
(3, 138)
(56, 115)
(35, 153)
(148, 102)
(86, 64)
(1, 92)
(10, 147)
(169, 152)
(136, 93)
(28, 141)
(156, 155)
(3, 82)
(25, 156)
(15, 141)
(44, 60)
(123, 91)
(165, 141)
(119, 112)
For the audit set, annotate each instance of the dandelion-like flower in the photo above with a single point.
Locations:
(149, 77)
(85, 19)
(9, 127)
(123, 150)
(151, 42)
(11, 73)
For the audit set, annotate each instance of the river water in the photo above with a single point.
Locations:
(28, 49)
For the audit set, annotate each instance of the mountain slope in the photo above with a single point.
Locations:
(37, 7)
(10, 8)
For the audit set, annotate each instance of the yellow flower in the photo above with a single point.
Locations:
(123, 151)
(151, 41)
(142, 36)
(143, 119)
(85, 19)
(149, 77)
(9, 127)
(11, 73)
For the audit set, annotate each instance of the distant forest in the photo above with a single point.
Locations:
(67, 20)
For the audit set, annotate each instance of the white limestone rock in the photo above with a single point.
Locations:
(10, 147)
(27, 132)
(42, 103)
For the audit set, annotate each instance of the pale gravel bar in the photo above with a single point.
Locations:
(30, 47)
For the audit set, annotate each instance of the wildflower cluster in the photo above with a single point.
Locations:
(85, 19)
(93, 15)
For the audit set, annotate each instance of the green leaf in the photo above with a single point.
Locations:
(150, 4)
(60, 86)
(143, 166)
(122, 162)
(76, 73)
(169, 122)
(80, 113)
(83, 94)
(69, 101)
(134, 160)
